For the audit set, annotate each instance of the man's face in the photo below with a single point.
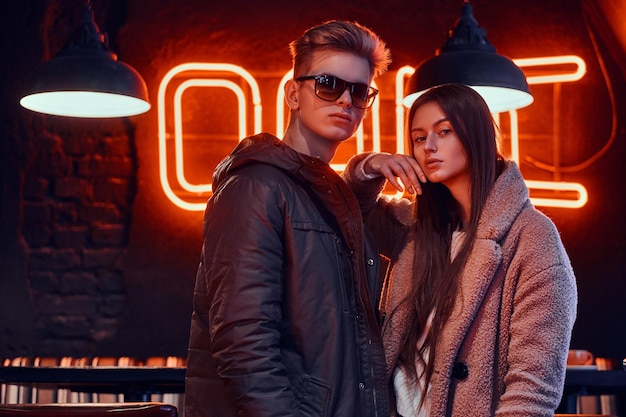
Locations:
(336, 120)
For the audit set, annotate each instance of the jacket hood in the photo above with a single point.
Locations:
(267, 149)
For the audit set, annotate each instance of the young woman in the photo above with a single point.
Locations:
(480, 304)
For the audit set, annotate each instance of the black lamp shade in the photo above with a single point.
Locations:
(86, 80)
(468, 58)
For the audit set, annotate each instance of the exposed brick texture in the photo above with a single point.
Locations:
(76, 211)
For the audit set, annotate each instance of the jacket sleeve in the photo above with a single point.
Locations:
(243, 255)
(388, 219)
(543, 314)
(366, 192)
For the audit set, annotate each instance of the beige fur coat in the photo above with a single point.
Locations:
(510, 329)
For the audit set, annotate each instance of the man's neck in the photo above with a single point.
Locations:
(318, 147)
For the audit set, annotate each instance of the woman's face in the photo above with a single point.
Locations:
(438, 149)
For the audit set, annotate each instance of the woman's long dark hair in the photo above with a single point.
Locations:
(436, 277)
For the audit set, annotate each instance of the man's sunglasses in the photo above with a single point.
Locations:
(330, 88)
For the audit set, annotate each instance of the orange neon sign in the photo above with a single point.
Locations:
(203, 69)
(244, 87)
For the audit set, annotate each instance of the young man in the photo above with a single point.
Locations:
(284, 320)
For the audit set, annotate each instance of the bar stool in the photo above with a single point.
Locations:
(144, 409)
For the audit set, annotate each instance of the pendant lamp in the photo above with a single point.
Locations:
(85, 79)
(468, 58)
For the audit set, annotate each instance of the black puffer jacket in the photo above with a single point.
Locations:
(284, 323)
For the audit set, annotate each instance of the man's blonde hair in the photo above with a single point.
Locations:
(344, 36)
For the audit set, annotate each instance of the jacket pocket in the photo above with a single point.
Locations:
(337, 268)
(313, 398)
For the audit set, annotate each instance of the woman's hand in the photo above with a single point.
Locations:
(394, 167)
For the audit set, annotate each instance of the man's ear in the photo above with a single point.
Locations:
(291, 94)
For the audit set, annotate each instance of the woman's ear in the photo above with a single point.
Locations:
(291, 94)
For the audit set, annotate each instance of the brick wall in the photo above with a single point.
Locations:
(77, 196)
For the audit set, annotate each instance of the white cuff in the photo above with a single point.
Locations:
(364, 175)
